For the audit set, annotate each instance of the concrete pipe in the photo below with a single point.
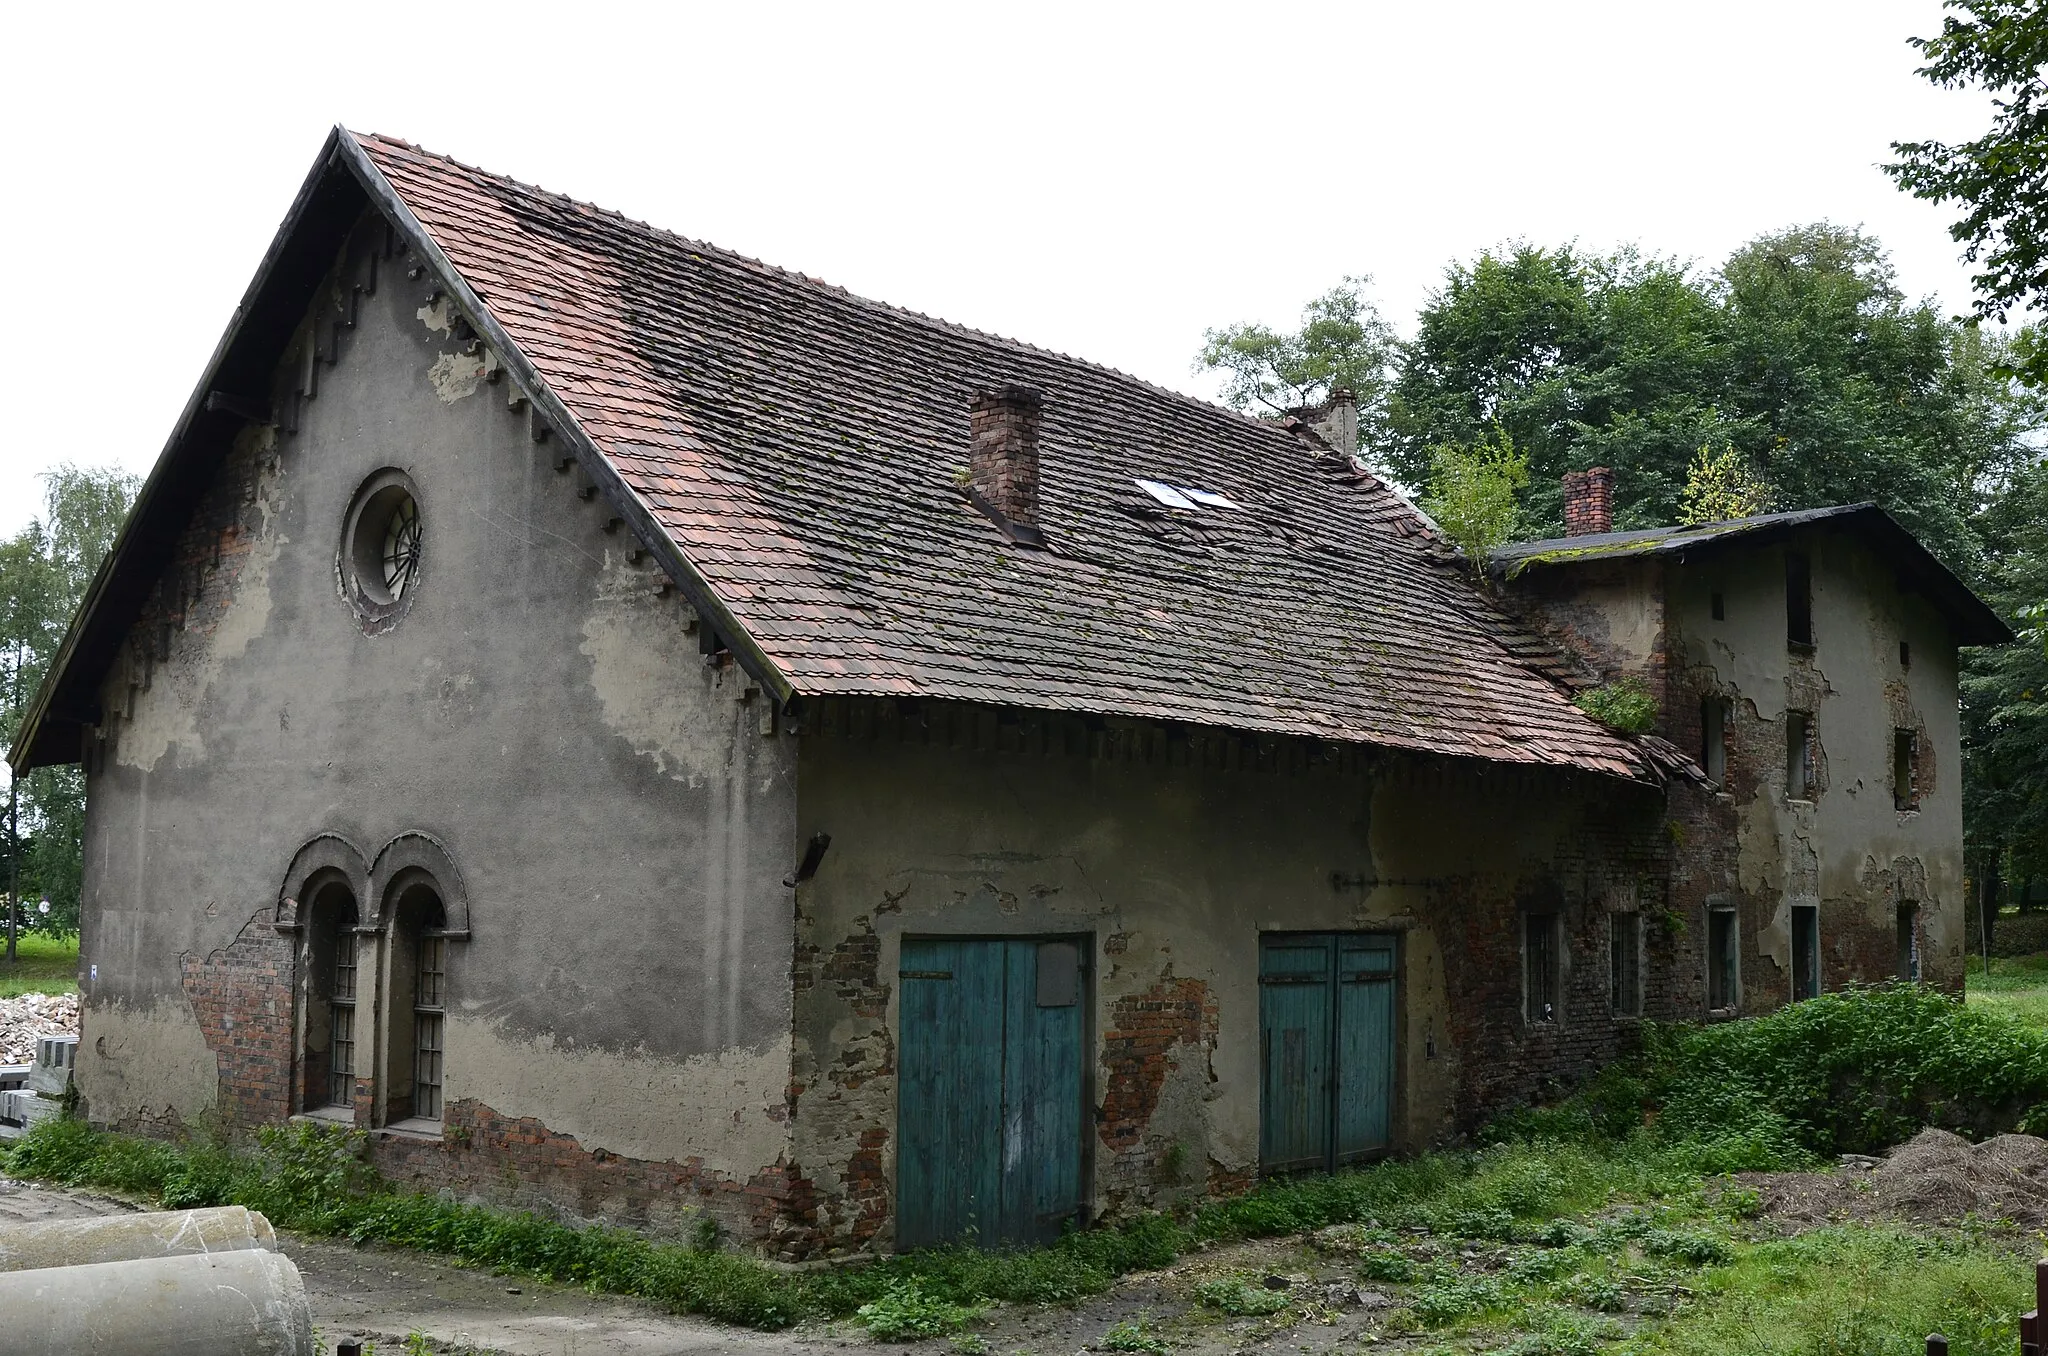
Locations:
(245, 1303)
(128, 1238)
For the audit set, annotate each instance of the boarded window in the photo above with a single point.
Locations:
(1805, 951)
(1798, 755)
(1714, 737)
(1798, 599)
(1905, 757)
(1625, 963)
(1721, 972)
(1539, 967)
(1909, 943)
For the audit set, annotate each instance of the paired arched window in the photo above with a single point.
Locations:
(374, 979)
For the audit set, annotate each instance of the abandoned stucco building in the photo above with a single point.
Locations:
(644, 732)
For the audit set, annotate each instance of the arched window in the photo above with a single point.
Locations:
(417, 1030)
(328, 1068)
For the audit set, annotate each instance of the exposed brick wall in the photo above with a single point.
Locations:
(241, 997)
(1614, 861)
(1150, 1035)
(519, 1161)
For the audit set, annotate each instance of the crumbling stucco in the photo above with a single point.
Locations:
(167, 714)
(146, 1064)
(725, 1109)
(642, 650)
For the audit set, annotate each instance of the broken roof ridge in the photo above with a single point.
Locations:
(811, 280)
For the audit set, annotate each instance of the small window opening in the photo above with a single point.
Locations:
(1905, 655)
(1798, 599)
(1625, 964)
(1909, 943)
(1720, 610)
(1721, 973)
(1905, 757)
(1539, 961)
(1714, 738)
(1805, 951)
(1798, 755)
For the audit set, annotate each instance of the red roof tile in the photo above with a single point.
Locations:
(802, 445)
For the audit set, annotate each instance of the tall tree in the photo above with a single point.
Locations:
(1847, 392)
(1343, 344)
(2005, 696)
(2000, 179)
(45, 571)
(1580, 359)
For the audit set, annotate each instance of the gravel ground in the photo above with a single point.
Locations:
(25, 1020)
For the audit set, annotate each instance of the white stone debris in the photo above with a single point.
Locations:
(27, 1019)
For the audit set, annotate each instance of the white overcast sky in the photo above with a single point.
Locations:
(1102, 179)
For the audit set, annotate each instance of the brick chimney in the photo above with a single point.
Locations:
(1003, 460)
(1337, 422)
(1588, 502)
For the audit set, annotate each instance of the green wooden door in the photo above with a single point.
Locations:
(989, 1107)
(1326, 1033)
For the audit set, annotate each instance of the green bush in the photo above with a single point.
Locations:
(905, 1313)
(1234, 1296)
(1626, 704)
(1855, 1071)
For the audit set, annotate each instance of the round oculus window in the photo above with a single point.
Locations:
(381, 549)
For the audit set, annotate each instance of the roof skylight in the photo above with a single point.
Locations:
(1184, 496)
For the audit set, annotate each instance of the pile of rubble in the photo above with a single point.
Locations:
(1935, 1177)
(29, 1018)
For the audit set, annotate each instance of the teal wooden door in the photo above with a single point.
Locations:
(1326, 1034)
(990, 1099)
(1365, 1045)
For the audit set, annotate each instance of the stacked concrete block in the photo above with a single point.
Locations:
(55, 1056)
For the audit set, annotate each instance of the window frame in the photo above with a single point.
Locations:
(1806, 976)
(1542, 959)
(1724, 973)
(1800, 781)
(1625, 964)
(1799, 601)
(429, 1022)
(1715, 712)
(1905, 769)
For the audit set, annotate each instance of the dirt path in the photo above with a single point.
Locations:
(383, 1294)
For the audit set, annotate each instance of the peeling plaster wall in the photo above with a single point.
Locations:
(1849, 850)
(1744, 844)
(619, 819)
(1174, 859)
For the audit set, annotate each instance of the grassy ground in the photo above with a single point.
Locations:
(2017, 985)
(45, 965)
(1524, 1249)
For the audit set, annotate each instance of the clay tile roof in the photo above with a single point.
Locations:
(803, 446)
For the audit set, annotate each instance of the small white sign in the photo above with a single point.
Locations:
(95, 974)
(43, 907)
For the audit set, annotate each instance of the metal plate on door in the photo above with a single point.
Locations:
(1059, 974)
